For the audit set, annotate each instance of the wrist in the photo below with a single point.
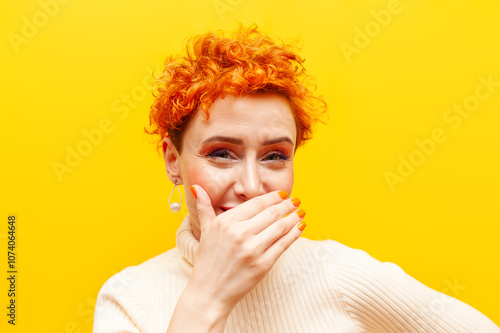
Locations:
(208, 311)
(206, 305)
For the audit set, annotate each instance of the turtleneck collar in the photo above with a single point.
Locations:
(185, 240)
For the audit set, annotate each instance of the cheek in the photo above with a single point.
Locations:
(214, 181)
(282, 180)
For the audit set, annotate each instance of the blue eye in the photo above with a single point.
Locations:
(226, 154)
(220, 153)
(277, 156)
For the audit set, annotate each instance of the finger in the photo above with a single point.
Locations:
(279, 229)
(281, 245)
(271, 215)
(252, 207)
(204, 209)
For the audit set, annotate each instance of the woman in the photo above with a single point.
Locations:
(230, 116)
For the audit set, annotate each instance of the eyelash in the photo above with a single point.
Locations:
(215, 154)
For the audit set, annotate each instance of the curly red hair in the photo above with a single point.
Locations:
(215, 66)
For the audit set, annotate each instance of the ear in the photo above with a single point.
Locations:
(172, 160)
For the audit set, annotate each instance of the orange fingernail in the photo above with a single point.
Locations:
(301, 213)
(193, 190)
(283, 194)
(296, 202)
(301, 226)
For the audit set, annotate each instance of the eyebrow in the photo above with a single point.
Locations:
(236, 141)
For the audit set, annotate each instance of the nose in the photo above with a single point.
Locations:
(249, 181)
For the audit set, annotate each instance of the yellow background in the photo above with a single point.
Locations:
(84, 58)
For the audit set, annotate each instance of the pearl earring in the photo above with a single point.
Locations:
(175, 206)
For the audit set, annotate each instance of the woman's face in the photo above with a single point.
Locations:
(244, 150)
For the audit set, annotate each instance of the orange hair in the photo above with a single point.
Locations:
(215, 66)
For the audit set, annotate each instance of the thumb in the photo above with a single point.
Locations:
(206, 213)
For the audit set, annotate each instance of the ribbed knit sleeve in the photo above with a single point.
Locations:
(120, 305)
(315, 286)
(381, 297)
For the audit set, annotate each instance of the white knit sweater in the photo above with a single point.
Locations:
(315, 286)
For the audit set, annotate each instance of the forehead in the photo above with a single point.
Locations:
(259, 117)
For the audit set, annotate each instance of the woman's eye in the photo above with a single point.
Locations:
(276, 156)
(221, 153)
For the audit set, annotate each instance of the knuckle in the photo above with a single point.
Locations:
(236, 237)
(265, 266)
(231, 232)
(247, 254)
(260, 201)
(280, 246)
(259, 267)
(218, 222)
(284, 243)
(281, 226)
(274, 212)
